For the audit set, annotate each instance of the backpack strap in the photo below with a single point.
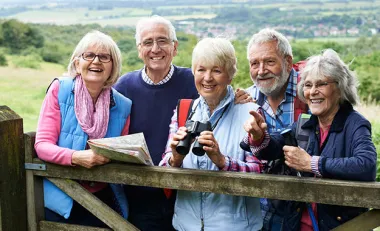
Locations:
(51, 84)
(183, 110)
(303, 135)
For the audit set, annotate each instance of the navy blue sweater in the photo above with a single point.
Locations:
(152, 109)
(153, 105)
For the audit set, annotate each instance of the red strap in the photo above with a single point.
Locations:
(168, 192)
(183, 109)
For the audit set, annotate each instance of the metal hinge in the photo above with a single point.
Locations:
(31, 166)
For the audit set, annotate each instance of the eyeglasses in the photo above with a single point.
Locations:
(90, 56)
(162, 43)
(318, 85)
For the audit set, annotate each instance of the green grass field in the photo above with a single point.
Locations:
(23, 89)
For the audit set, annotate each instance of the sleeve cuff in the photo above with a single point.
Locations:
(314, 165)
(165, 162)
(227, 164)
(255, 143)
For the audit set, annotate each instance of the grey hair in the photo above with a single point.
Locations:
(215, 51)
(154, 19)
(268, 35)
(329, 65)
(97, 39)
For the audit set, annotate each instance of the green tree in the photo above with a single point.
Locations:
(18, 36)
(126, 45)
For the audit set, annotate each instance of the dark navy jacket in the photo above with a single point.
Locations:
(348, 153)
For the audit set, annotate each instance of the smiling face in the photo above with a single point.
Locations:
(269, 70)
(94, 72)
(324, 100)
(211, 83)
(156, 59)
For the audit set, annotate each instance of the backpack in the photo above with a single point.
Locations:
(299, 106)
(183, 112)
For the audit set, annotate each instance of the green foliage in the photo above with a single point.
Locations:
(3, 60)
(305, 49)
(18, 36)
(132, 59)
(186, 44)
(54, 52)
(126, 45)
(369, 83)
(242, 78)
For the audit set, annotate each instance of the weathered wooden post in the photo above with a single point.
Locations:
(12, 172)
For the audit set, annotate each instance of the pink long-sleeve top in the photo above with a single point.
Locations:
(49, 128)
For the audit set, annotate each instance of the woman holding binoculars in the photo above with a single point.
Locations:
(217, 125)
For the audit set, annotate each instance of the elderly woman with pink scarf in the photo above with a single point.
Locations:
(76, 109)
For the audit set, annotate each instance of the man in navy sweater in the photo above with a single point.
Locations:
(154, 91)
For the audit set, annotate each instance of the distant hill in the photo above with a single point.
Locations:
(231, 18)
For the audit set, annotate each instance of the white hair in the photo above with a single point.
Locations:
(155, 19)
(215, 51)
(329, 65)
(268, 35)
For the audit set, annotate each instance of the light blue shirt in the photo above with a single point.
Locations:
(218, 211)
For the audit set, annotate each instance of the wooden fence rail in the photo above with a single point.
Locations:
(360, 194)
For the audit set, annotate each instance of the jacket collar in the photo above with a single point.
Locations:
(339, 119)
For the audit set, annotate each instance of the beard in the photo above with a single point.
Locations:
(279, 82)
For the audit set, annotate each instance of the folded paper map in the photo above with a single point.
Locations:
(129, 148)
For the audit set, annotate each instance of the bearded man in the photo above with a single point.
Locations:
(275, 89)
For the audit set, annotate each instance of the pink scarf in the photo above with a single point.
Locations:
(93, 120)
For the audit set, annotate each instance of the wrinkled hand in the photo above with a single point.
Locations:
(242, 97)
(297, 158)
(177, 159)
(255, 126)
(211, 147)
(88, 159)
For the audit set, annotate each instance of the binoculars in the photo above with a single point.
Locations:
(289, 138)
(194, 129)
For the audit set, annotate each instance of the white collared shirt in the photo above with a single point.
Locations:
(146, 78)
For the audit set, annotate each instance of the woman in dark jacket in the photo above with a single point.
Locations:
(340, 144)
